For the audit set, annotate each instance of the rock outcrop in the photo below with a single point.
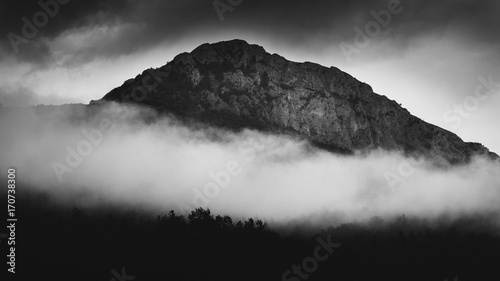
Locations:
(238, 85)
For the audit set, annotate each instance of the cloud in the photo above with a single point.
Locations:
(92, 33)
(64, 16)
(18, 95)
(133, 157)
(132, 26)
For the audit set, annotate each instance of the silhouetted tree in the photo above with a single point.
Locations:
(175, 219)
(239, 225)
(224, 222)
(249, 224)
(201, 218)
(376, 221)
(260, 225)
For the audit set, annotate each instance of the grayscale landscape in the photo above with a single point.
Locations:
(235, 140)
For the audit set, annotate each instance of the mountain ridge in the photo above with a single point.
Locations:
(239, 85)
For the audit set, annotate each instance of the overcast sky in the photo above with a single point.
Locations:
(429, 56)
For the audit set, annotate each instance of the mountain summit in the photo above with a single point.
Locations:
(237, 85)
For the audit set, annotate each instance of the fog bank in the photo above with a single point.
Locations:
(87, 156)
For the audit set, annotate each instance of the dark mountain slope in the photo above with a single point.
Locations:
(237, 85)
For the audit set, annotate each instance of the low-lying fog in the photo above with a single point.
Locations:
(113, 156)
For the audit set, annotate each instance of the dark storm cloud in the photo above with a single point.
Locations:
(74, 13)
(147, 23)
(66, 15)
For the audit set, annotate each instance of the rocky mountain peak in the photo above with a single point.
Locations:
(238, 85)
(238, 53)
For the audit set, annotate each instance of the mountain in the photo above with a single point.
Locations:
(236, 85)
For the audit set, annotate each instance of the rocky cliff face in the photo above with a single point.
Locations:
(234, 84)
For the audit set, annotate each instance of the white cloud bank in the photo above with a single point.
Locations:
(128, 156)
